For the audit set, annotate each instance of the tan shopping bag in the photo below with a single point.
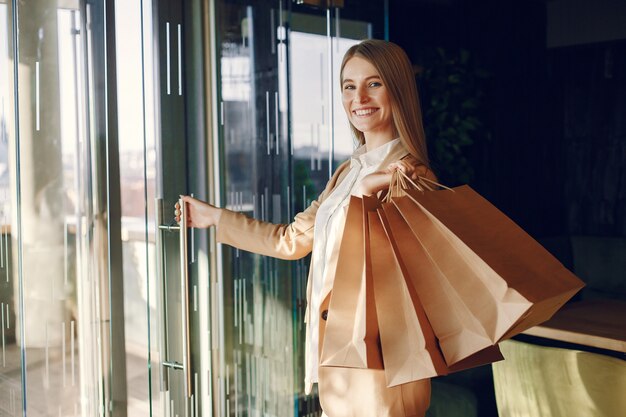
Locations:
(460, 334)
(409, 345)
(351, 334)
(484, 279)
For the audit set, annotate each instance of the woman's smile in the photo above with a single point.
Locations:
(365, 112)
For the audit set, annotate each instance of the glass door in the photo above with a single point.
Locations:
(182, 266)
(161, 95)
(280, 133)
(60, 352)
(137, 154)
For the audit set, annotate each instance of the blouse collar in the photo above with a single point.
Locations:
(392, 150)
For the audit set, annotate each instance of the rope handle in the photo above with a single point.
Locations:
(400, 182)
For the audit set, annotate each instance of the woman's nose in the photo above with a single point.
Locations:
(361, 96)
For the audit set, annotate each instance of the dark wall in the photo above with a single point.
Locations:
(591, 85)
(556, 162)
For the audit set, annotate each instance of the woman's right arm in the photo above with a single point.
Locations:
(285, 241)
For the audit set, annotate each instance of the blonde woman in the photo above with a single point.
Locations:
(380, 99)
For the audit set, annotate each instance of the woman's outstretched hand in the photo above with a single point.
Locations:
(199, 214)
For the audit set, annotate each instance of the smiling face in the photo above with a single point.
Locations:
(367, 102)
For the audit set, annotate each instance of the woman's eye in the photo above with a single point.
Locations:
(375, 84)
(348, 87)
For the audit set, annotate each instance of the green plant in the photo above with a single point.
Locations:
(452, 87)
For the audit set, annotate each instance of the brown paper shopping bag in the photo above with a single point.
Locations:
(409, 345)
(521, 262)
(351, 333)
(484, 277)
(459, 332)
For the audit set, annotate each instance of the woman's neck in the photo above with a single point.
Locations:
(373, 141)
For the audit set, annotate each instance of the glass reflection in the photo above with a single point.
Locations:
(254, 376)
(311, 124)
(137, 150)
(10, 362)
(54, 291)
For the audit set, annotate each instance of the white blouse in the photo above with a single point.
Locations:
(329, 223)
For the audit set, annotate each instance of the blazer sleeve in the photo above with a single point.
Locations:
(284, 241)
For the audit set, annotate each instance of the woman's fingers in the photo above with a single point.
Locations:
(189, 203)
(192, 204)
(178, 210)
(407, 168)
(396, 166)
(403, 167)
(199, 213)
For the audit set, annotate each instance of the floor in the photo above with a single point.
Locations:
(53, 384)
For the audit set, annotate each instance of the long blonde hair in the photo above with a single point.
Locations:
(396, 72)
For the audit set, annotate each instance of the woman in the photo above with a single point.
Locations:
(380, 99)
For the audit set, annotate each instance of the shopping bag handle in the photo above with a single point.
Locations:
(400, 182)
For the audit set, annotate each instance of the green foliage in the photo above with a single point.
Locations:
(452, 88)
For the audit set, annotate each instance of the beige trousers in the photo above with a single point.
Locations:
(348, 392)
